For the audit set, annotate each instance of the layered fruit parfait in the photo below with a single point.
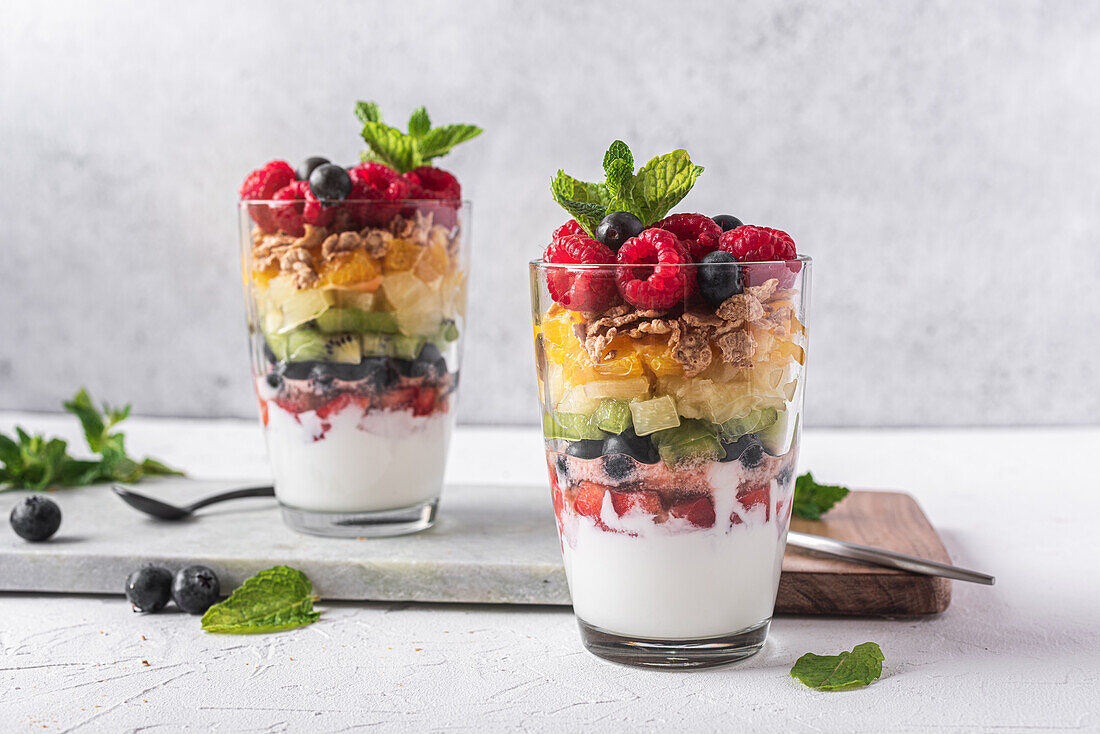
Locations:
(355, 280)
(671, 352)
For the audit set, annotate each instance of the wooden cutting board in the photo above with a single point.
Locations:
(813, 584)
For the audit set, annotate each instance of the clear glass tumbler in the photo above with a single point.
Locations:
(356, 329)
(671, 443)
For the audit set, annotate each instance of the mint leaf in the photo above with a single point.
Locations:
(280, 598)
(617, 151)
(393, 147)
(368, 112)
(855, 669)
(618, 167)
(152, 467)
(587, 202)
(812, 500)
(438, 142)
(95, 430)
(419, 123)
(661, 184)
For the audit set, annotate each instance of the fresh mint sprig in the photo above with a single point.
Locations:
(860, 667)
(649, 194)
(280, 598)
(37, 462)
(403, 151)
(812, 500)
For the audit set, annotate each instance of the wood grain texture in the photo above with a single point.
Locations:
(813, 584)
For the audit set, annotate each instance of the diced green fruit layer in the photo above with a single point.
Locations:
(613, 416)
(570, 426)
(654, 415)
(337, 320)
(692, 441)
(306, 344)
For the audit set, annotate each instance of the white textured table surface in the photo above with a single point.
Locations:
(1023, 655)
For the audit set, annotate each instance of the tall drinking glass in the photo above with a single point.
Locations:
(356, 330)
(671, 443)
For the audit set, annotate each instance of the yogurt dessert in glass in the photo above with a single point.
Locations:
(671, 357)
(355, 285)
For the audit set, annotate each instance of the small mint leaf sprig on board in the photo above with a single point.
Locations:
(36, 462)
(649, 194)
(860, 667)
(812, 500)
(278, 599)
(403, 151)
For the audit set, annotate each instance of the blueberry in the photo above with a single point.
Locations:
(308, 165)
(727, 222)
(563, 466)
(274, 380)
(377, 372)
(294, 370)
(746, 449)
(618, 466)
(149, 588)
(719, 277)
(429, 363)
(322, 374)
(585, 448)
(195, 588)
(633, 445)
(35, 518)
(330, 182)
(617, 227)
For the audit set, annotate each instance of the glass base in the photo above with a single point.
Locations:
(377, 524)
(706, 652)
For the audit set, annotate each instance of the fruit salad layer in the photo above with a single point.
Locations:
(670, 352)
(357, 288)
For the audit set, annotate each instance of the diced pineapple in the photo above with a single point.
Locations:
(705, 399)
(654, 415)
(304, 306)
(416, 306)
(576, 400)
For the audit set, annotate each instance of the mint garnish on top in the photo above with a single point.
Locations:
(280, 598)
(855, 669)
(812, 500)
(402, 151)
(648, 194)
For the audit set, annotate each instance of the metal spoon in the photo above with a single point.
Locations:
(883, 557)
(166, 511)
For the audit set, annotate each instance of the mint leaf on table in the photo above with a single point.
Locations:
(855, 669)
(405, 151)
(37, 462)
(280, 598)
(812, 500)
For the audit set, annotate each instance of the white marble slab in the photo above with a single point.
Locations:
(490, 545)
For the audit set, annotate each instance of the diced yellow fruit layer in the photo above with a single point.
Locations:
(402, 256)
(433, 263)
(350, 268)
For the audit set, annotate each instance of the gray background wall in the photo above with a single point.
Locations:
(938, 159)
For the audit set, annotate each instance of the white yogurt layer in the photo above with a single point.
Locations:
(355, 461)
(673, 580)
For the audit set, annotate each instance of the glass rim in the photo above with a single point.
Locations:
(244, 203)
(540, 264)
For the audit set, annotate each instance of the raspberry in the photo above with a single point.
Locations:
(659, 282)
(589, 499)
(298, 206)
(428, 182)
(696, 232)
(570, 227)
(375, 182)
(262, 184)
(750, 244)
(582, 289)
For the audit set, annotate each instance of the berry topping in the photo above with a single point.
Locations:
(262, 184)
(570, 227)
(298, 206)
(727, 222)
(719, 277)
(375, 182)
(149, 589)
(330, 182)
(429, 182)
(195, 588)
(35, 518)
(617, 227)
(699, 511)
(749, 243)
(658, 282)
(696, 232)
(308, 165)
(580, 290)
(589, 499)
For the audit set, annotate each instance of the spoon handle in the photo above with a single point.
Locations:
(235, 494)
(883, 557)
